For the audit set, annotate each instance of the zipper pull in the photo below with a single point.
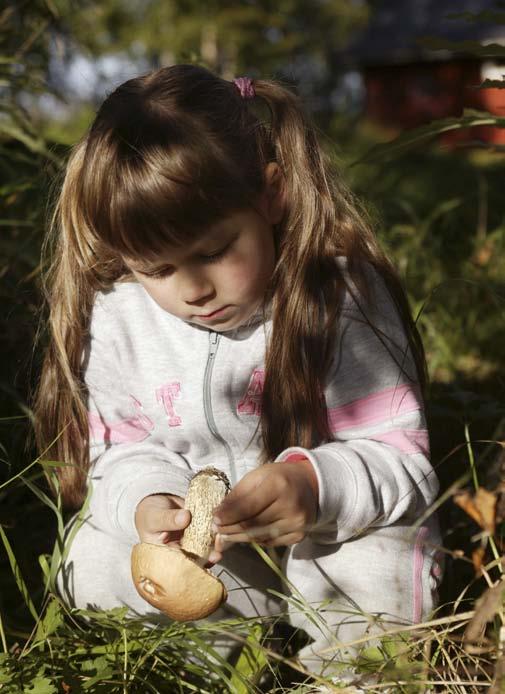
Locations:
(213, 338)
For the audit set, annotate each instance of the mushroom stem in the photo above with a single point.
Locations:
(206, 491)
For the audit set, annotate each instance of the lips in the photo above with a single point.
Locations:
(213, 313)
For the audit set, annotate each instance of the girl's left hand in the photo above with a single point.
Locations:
(275, 504)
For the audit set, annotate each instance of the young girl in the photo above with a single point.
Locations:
(217, 298)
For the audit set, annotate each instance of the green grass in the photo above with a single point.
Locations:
(45, 647)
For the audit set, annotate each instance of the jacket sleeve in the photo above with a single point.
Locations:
(126, 462)
(376, 471)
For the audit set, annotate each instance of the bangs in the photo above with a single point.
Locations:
(166, 189)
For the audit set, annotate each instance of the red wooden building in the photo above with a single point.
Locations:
(407, 85)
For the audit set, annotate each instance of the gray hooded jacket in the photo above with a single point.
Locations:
(167, 398)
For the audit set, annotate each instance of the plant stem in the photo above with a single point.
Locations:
(125, 664)
(2, 635)
(471, 458)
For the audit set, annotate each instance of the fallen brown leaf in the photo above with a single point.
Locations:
(481, 507)
(486, 607)
(478, 558)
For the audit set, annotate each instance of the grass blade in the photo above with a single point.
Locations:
(17, 575)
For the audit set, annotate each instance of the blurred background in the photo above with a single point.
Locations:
(408, 98)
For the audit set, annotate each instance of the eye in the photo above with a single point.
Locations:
(207, 259)
(158, 274)
(216, 256)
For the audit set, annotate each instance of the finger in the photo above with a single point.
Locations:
(255, 534)
(213, 558)
(182, 517)
(174, 536)
(161, 526)
(274, 513)
(284, 540)
(267, 538)
(258, 534)
(164, 537)
(162, 520)
(266, 531)
(220, 545)
(249, 497)
(178, 501)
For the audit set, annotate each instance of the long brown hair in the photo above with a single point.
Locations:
(168, 154)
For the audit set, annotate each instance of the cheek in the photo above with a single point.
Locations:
(251, 269)
(159, 293)
(247, 277)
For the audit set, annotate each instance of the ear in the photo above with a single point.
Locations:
(273, 196)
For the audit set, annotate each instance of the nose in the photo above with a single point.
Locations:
(195, 288)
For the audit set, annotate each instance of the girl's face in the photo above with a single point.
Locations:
(218, 281)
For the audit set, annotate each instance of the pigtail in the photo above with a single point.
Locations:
(323, 220)
(293, 412)
(71, 277)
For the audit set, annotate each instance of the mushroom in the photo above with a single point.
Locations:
(174, 580)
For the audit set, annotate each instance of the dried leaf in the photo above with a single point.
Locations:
(498, 685)
(481, 507)
(500, 508)
(477, 559)
(485, 609)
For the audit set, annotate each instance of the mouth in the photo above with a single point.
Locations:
(213, 314)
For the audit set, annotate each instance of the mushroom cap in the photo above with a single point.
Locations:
(169, 579)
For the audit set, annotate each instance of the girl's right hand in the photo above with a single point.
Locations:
(161, 519)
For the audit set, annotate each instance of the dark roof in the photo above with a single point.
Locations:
(396, 24)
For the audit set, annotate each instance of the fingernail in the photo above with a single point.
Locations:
(214, 529)
(216, 520)
(180, 517)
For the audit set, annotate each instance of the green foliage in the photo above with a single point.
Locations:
(228, 36)
(440, 214)
(91, 651)
(251, 663)
(492, 84)
(416, 137)
(489, 50)
(17, 574)
(495, 16)
(25, 32)
(27, 163)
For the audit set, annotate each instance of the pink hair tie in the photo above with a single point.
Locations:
(245, 87)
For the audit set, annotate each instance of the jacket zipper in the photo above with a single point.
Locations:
(207, 402)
